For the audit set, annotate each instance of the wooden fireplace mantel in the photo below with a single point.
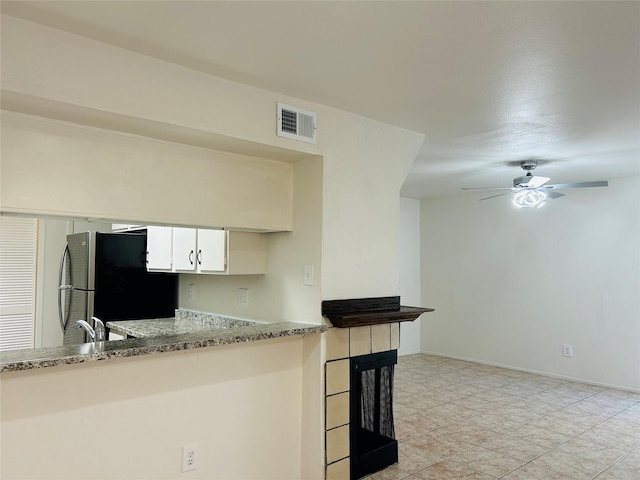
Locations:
(357, 312)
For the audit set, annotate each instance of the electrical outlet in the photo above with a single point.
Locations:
(192, 291)
(189, 457)
(243, 297)
(567, 350)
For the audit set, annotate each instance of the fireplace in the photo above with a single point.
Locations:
(359, 432)
(372, 437)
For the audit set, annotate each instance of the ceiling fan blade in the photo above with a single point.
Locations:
(602, 183)
(536, 182)
(489, 188)
(552, 194)
(494, 196)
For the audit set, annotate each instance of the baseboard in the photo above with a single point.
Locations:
(537, 372)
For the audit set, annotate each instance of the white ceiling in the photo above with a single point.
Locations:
(488, 83)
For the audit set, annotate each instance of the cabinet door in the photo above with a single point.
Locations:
(184, 249)
(159, 248)
(212, 250)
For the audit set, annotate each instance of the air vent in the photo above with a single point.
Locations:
(296, 123)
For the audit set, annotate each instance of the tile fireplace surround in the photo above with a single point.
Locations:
(379, 331)
(342, 344)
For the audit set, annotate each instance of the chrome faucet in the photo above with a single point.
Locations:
(87, 328)
(98, 327)
(97, 334)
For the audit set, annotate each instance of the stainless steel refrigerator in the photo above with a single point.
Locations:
(105, 275)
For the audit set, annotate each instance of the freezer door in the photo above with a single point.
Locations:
(78, 265)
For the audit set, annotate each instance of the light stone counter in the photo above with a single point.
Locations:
(28, 359)
(185, 321)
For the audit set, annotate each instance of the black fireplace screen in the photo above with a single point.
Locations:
(372, 436)
(376, 394)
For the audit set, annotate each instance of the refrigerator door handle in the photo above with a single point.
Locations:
(62, 288)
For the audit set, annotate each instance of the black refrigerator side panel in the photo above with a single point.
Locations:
(124, 290)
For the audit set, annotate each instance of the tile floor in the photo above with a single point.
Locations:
(462, 420)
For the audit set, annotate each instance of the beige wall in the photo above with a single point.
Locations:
(55, 168)
(278, 295)
(364, 163)
(129, 418)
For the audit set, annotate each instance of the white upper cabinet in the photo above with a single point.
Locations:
(212, 250)
(184, 249)
(159, 248)
(206, 251)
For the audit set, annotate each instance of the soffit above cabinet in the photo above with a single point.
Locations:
(66, 112)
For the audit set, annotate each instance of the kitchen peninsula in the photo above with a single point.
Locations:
(198, 337)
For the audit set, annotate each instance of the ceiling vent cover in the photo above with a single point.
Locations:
(296, 123)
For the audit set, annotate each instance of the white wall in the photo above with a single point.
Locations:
(409, 266)
(52, 236)
(511, 286)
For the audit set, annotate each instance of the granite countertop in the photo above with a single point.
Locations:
(184, 322)
(28, 359)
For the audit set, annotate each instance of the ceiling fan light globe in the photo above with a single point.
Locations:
(529, 198)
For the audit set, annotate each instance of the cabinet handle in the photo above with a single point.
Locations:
(191, 257)
(199, 257)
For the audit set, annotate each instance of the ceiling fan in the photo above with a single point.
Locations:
(532, 191)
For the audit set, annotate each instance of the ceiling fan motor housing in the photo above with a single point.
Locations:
(526, 165)
(522, 181)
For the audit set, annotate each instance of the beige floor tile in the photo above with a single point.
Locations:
(407, 428)
(391, 473)
(413, 462)
(614, 473)
(515, 447)
(541, 436)
(448, 470)
(459, 420)
(577, 467)
(592, 451)
(570, 414)
(558, 425)
(440, 446)
(630, 416)
(621, 426)
(630, 461)
(496, 465)
(606, 436)
(532, 471)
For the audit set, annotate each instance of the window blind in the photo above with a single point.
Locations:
(18, 250)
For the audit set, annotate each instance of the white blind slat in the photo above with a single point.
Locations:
(18, 247)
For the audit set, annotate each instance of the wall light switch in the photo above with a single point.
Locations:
(308, 275)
